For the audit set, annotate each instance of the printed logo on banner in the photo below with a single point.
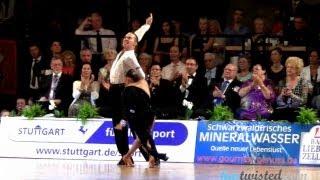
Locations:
(164, 133)
(41, 131)
(310, 146)
(244, 142)
(317, 133)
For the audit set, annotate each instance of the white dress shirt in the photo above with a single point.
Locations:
(169, 70)
(122, 64)
(107, 42)
(127, 60)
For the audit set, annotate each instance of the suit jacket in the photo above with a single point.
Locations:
(63, 90)
(232, 98)
(43, 65)
(197, 91)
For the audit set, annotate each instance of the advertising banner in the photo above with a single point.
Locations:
(310, 146)
(247, 142)
(69, 139)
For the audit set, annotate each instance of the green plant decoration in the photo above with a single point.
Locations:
(188, 114)
(86, 111)
(58, 114)
(33, 111)
(221, 113)
(307, 116)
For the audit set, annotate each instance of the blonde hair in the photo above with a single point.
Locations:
(296, 62)
(107, 50)
(68, 53)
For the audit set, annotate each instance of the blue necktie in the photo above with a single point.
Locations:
(224, 85)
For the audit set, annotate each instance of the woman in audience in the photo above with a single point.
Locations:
(217, 43)
(311, 74)
(164, 41)
(85, 90)
(276, 71)
(145, 61)
(69, 62)
(257, 96)
(294, 91)
(244, 64)
(162, 94)
(104, 102)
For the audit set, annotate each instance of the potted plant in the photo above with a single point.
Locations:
(307, 116)
(86, 111)
(33, 111)
(221, 113)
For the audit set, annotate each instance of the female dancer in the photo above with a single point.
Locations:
(137, 110)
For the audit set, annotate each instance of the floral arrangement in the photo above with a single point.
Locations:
(86, 111)
(33, 111)
(221, 113)
(189, 110)
(307, 116)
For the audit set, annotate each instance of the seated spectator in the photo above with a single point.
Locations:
(213, 69)
(257, 96)
(301, 34)
(20, 105)
(104, 102)
(56, 88)
(55, 49)
(311, 73)
(214, 28)
(276, 72)
(145, 61)
(226, 89)
(236, 28)
(294, 91)
(69, 62)
(163, 99)
(86, 57)
(183, 38)
(193, 88)
(85, 90)
(164, 41)
(244, 64)
(200, 42)
(176, 68)
(5, 113)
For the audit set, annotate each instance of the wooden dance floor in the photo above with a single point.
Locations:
(21, 169)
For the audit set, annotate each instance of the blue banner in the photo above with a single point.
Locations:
(247, 142)
(164, 133)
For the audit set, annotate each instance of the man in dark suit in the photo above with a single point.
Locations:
(37, 69)
(193, 87)
(57, 88)
(226, 91)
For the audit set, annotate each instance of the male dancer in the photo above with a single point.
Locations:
(125, 60)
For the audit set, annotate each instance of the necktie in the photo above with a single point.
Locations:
(54, 85)
(99, 43)
(224, 86)
(35, 72)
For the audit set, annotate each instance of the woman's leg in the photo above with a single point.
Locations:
(127, 157)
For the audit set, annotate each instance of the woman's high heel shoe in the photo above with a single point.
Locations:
(128, 161)
(152, 162)
(163, 156)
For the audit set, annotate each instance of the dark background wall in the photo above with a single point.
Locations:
(34, 20)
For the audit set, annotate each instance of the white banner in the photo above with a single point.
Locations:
(67, 138)
(310, 146)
